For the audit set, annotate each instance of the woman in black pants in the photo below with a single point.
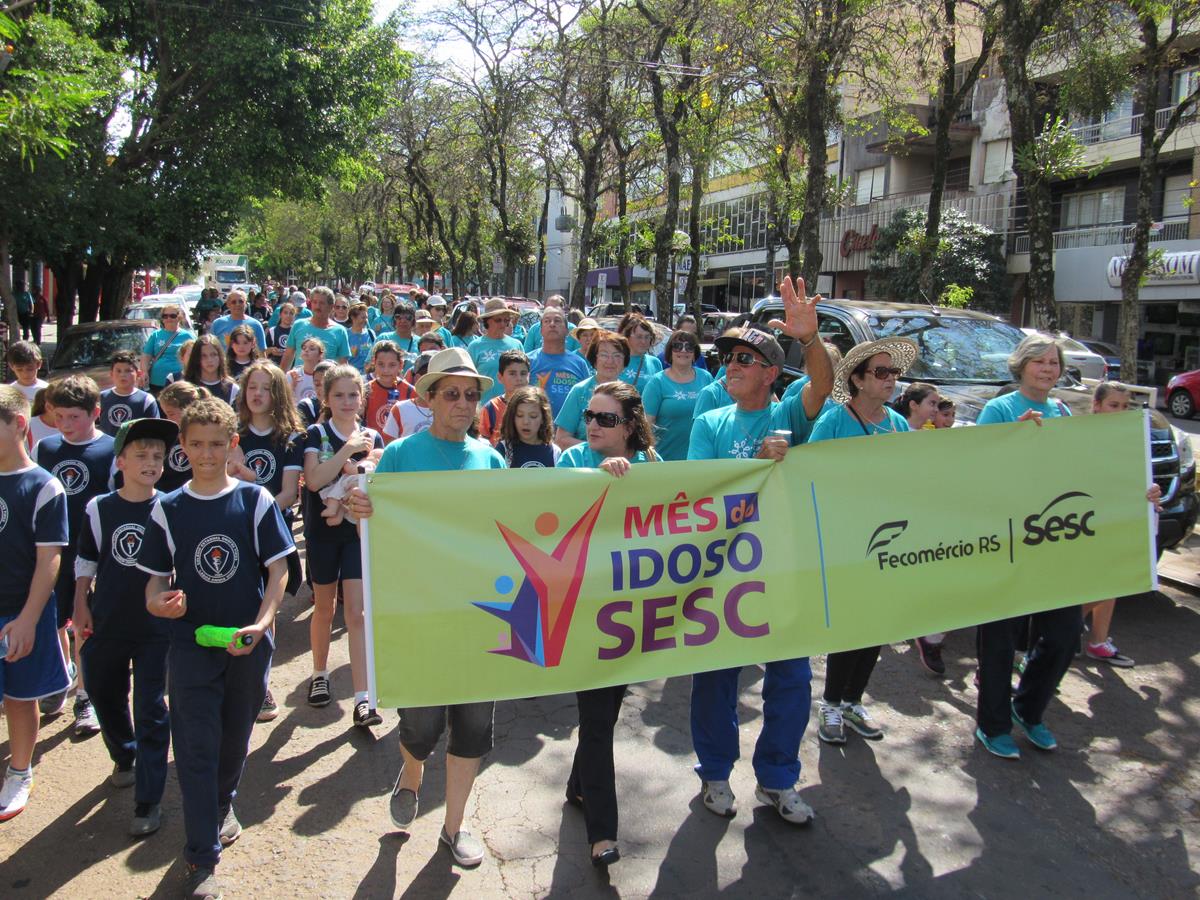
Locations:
(862, 385)
(618, 435)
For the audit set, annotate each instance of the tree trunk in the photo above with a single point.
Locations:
(543, 233)
(699, 182)
(89, 290)
(589, 189)
(67, 279)
(816, 162)
(623, 262)
(6, 293)
(115, 289)
(1146, 96)
(941, 117)
(772, 238)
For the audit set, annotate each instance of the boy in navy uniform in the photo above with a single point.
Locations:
(216, 535)
(124, 401)
(118, 631)
(81, 458)
(33, 529)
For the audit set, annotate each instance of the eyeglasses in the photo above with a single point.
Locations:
(603, 419)
(611, 357)
(882, 372)
(453, 395)
(743, 358)
(170, 315)
(682, 347)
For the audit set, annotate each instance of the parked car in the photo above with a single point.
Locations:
(150, 306)
(1183, 394)
(661, 332)
(1112, 357)
(615, 308)
(713, 325)
(682, 309)
(1088, 363)
(88, 349)
(965, 354)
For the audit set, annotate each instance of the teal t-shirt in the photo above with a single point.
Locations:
(673, 406)
(712, 397)
(333, 336)
(168, 362)
(839, 422)
(730, 433)
(798, 385)
(640, 370)
(556, 374)
(1012, 406)
(533, 338)
(486, 354)
(581, 456)
(360, 348)
(422, 452)
(570, 417)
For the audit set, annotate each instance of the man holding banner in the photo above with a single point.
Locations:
(755, 426)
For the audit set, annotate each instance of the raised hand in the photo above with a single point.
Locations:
(800, 311)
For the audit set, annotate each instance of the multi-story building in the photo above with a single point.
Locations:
(884, 172)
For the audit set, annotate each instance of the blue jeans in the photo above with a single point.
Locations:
(787, 696)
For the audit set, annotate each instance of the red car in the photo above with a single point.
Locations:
(1183, 394)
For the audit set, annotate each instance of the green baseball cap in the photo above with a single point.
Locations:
(138, 429)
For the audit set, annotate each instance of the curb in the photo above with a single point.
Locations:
(1179, 583)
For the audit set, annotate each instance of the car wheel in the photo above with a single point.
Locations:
(1181, 405)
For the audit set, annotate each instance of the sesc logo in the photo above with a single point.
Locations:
(1060, 520)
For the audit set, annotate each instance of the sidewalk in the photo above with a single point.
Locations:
(1180, 567)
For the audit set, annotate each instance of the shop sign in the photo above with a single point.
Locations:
(1170, 268)
(854, 242)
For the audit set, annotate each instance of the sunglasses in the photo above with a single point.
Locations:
(882, 372)
(604, 419)
(453, 395)
(743, 358)
(682, 347)
(170, 315)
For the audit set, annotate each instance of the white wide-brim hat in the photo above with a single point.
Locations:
(452, 361)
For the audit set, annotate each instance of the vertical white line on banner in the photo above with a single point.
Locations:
(1151, 514)
(364, 526)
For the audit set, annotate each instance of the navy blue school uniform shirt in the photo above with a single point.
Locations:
(177, 470)
(33, 513)
(109, 542)
(324, 438)
(529, 456)
(269, 458)
(116, 410)
(217, 548)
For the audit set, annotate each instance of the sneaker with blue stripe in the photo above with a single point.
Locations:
(1002, 745)
(1039, 735)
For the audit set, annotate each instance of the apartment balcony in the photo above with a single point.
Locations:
(885, 138)
(1106, 235)
(1120, 139)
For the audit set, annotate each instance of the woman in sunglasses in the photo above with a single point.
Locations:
(862, 386)
(452, 387)
(670, 396)
(618, 435)
(160, 355)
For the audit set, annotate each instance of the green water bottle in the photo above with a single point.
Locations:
(216, 636)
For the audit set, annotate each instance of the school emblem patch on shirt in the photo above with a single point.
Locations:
(119, 414)
(216, 559)
(262, 464)
(178, 460)
(126, 542)
(3, 514)
(73, 474)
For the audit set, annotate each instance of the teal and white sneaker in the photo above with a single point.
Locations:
(1002, 745)
(1039, 735)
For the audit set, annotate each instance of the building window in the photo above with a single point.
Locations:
(1176, 190)
(870, 185)
(997, 161)
(1182, 85)
(1093, 208)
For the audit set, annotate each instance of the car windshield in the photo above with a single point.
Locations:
(232, 276)
(94, 348)
(1072, 345)
(954, 348)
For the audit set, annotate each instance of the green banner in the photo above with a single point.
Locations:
(498, 585)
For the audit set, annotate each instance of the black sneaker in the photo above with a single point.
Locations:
(270, 709)
(364, 716)
(202, 884)
(318, 691)
(930, 655)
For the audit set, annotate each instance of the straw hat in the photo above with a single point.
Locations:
(452, 361)
(496, 307)
(588, 325)
(903, 352)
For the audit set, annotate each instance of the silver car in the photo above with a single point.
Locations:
(1090, 364)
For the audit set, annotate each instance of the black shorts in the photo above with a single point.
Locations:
(333, 561)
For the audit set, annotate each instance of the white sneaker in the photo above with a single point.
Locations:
(718, 798)
(787, 803)
(15, 793)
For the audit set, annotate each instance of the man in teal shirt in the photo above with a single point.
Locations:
(320, 326)
(552, 367)
(485, 351)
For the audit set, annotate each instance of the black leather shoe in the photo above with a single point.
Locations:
(606, 858)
